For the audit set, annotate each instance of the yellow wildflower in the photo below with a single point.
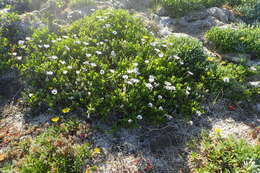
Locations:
(55, 119)
(97, 151)
(218, 130)
(2, 157)
(66, 110)
(211, 59)
(145, 37)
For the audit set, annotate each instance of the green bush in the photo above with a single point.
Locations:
(243, 40)
(250, 11)
(177, 8)
(55, 150)
(4, 57)
(218, 154)
(109, 64)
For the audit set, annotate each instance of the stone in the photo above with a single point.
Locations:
(74, 15)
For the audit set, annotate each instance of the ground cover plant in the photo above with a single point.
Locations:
(219, 154)
(55, 150)
(110, 64)
(243, 40)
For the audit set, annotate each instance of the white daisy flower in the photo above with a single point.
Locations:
(226, 79)
(19, 58)
(198, 113)
(98, 52)
(54, 91)
(30, 95)
(88, 55)
(139, 117)
(93, 64)
(160, 97)
(49, 73)
(63, 62)
(69, 67)
(14, 53)
(114, 32)
(146, 61)
(46, 46)
(190, 73)
(151, 78)
(113, 54)
(20, 42)
(125, 77)
(102, 72)
(150, 105)
(65, 72)
(149, 86)
(77, 72)
(53, 57)
(161, 55)
(160, 108)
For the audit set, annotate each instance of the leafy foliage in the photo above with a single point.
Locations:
(244, 40)
(218, 154)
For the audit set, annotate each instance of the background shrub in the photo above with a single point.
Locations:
(244, 40)
(177, 8)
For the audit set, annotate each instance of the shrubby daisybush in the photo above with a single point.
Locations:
(93, 68)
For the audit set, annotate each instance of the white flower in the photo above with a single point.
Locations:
(93, 64)
(85, 43)
(129, 82)
(53, 57)
(66, 47)
(113, 54)
(226, 79)
(27, 38)
(14, 53)
(157, 50)
(170, 88)
(149, 86)
(102, 72)
(150, 105)
(167, 83)
(30, 95)
(77, 72)
(64, 36)
(19, 58)
(161, 108)
(169, 117)
(114, 32)
(134, 80)
(160, 97)
(107, 25)
(139, 117)
(71, 98)
(54, 91)
(187, 92)
(130, 121)
(136, 64)
(20, 42)
(198, 113)
(46, 46)
(188, 88)
(49, 73)
(69, 67)
(161, 55)
(77, 42)
(190, 73)
(176, 57)
(65, 72)
(125, 77)
(98, 52)
(63, 62)
(253, 68)
(88, 55)
(53, 41)
(112, 71)
(146, 61)
(59, 39)
(151, 78)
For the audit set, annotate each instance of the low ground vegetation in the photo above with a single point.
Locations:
(243, 40)
(218, 154)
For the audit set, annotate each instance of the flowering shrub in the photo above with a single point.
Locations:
(245, 40)
(109, 64)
